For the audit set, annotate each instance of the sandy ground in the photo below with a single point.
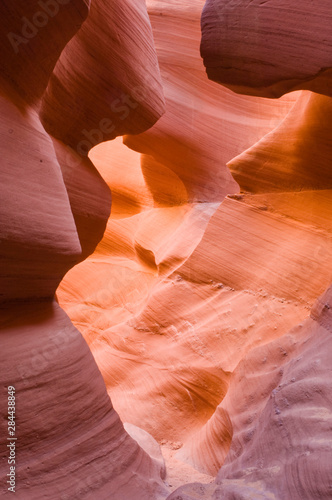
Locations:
(179, 473)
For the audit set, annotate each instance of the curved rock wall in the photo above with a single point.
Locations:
(185, 304)
(137, 324)
(54, 208)
(188, 294)
(268, 48)
(277, 408)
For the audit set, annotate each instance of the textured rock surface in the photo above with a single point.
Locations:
(182, 293)
(204, 125)
(294, 157)
(27, 56)
(115, 43)
(188, 305)
(90, 209)
(39, 242)
(163, 203)
(278, 406)
(281, 444)
(268, 48)
(70, 441)
(54, 208)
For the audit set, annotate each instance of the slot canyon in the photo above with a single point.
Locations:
(166, 249)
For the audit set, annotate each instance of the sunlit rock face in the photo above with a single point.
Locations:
(54, 208)
(276, 415)
(280, 408)
(268, 48)
(141, 318)
(294, 157)
(185, 297)
(198, 296)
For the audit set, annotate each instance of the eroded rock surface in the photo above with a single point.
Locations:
(190, 301)
(268, 48)
(187, 305)
(278, 407)
(71, 443)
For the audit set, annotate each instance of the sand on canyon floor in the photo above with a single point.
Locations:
(178, 472)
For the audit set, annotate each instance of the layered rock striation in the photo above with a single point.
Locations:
(197, 297)
(187, 304)
(278, 408)
(54, 209)
(268, 48)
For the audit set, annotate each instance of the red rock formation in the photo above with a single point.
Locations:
(281, 422)
(163, 205)
(268, 48)
(204, 125)
(70, 443)
(100, 90)
(27, 57)
(35, 256)
(182, 338)
(54, 207)
(90, 210)
(295, 156)
(188, 305)
(278, 407)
